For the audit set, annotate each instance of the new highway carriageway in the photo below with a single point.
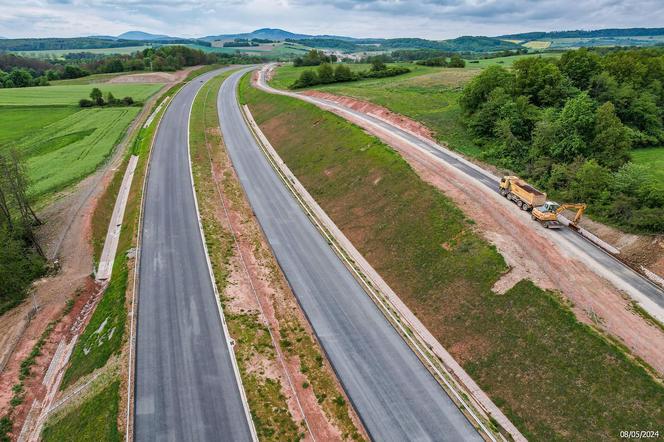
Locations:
(393, 393)
(186, 386)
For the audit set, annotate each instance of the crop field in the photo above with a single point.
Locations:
(271, 51)
(554, 377)
(16, 122)
(72, 148)
(537, 44)
(59, 53)
(61, 143)
(90, 79)
(570, 43)
(70, 94)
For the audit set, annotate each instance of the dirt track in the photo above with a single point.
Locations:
(531, 252)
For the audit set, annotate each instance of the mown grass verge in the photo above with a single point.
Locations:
(268, 406)
(93, 420)
(554, 377)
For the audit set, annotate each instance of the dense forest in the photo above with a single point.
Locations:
(17, 71)
(598, 33)
(80, 43)
(569, 126)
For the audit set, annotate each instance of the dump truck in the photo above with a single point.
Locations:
(547, 214)
(523, 194)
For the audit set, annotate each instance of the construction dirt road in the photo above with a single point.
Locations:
(550, 259)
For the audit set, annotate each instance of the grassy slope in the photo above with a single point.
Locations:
(93, 420)
(554, 377)
(70, 94)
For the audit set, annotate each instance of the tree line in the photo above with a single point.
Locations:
(569, 125)
(327, 73)
(16, 71)
(21, 257)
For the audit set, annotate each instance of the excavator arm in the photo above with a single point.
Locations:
(579, 207)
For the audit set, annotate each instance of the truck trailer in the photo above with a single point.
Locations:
(523, 194)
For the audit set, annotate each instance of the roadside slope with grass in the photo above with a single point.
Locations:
(554, 377)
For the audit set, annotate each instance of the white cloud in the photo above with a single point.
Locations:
(361, 18)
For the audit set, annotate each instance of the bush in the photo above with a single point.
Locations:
(84, 102)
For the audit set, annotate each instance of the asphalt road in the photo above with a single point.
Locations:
(394, 394)
(649, 295)
(185, 386)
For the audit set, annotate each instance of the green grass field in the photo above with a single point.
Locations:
(652, 158)
(507, 61)
(60, 95)
(92, 421)
(278, 50)
(555, 378)
(60, 142)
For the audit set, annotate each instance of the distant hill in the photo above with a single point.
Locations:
(598, 33)
(273, 34)
(145, 36)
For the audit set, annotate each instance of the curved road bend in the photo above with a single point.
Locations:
(394, 394)
(649, 295)
(185, 386)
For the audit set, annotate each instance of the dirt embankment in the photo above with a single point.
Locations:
(531, 251)
(369, 108)
(154, 77)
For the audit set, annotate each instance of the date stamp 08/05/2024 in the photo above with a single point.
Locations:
(639, 434)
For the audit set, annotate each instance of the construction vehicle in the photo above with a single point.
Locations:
(547, 214)
(523, 194)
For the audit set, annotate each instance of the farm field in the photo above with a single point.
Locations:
(429, 95)
(90, 79)
(271, 51)
(59, 53)
(70, 94)
(555, 378)
(60, 143)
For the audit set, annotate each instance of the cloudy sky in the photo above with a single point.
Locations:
(435, 19)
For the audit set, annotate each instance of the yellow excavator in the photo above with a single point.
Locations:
(547, 214)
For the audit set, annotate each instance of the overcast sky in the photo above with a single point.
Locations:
(434, 19)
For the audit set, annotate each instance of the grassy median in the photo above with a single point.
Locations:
(554, 377)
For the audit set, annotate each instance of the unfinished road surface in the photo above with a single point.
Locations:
(393, 393)
(649, 295)
(185, 384)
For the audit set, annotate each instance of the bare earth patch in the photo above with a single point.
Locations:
(154, 77)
